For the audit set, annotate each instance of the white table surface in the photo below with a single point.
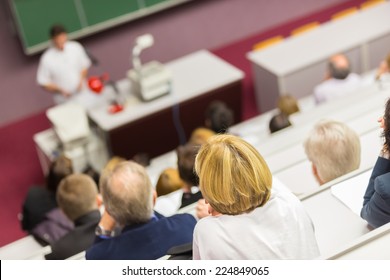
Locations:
(330, 38)
(192, 75)
(294, 135)
(335, 224)
(24, 248)
(370, 246)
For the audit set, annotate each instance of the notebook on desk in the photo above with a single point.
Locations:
(350, 192)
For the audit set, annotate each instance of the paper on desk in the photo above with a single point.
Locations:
(351, 191)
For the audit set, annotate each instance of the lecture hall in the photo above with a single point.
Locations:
(197, 130)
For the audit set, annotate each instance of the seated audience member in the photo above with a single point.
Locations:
(54, 226)
(287, 104)
(200, 136)
(376, 204)
(168, 182)
(40, 200)
(339, 80)
(77, 196)
(383, 72)
(186, 163)
(250, 217)
(128, 197)
(279, 122)
(333, 149)
(219, 117)
(189, 191)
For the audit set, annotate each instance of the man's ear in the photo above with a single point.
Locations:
(315, 173)
(99, 200)
(154, 197)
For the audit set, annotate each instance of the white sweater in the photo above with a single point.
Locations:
(281, 229)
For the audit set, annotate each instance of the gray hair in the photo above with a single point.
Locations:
(128, 194)
(333, 148)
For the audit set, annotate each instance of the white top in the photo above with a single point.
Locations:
(281, 229)
(63, 68)
(334, 88)
(169, 204)
(329, 38)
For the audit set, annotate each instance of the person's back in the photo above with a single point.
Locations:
(77, 197)
(129, 198)
(40, 200)
(147, 241)
(340, 81)
(252, 216)
(283, 234)
(376, 200)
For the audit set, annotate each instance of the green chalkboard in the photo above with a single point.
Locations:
(97, 11)
(35, 17)
(149, 3)
(80, 17)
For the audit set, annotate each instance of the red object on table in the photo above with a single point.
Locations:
(115, 108)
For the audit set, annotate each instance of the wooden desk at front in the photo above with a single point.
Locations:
(198, 79)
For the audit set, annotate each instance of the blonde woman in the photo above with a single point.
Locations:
(249, 218)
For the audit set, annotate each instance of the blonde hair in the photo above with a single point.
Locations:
(76, 195)
(287, 104)
(333, 148)
(200, 136)
(169, 181)
(128, 194)
(233, 176)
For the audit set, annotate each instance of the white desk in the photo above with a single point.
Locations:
(371, 246)
(198, 78)
(299, 63)
(23, 249)
(335, 224)
(294, 135)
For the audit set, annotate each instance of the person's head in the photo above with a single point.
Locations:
(385, 124)
(169, 181)
(186, 162)
(339, 67)
(128, 194)
(388, 62)
(110, 165)
(58, 35)
(287, 104)
(233, 176)
(219, 117)
(200, 136)
(59, 169)
(77, 196)
(334, 150)
(278, 122)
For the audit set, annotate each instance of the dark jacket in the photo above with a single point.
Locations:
(148, 241)
(78, 240)
(376, 205)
